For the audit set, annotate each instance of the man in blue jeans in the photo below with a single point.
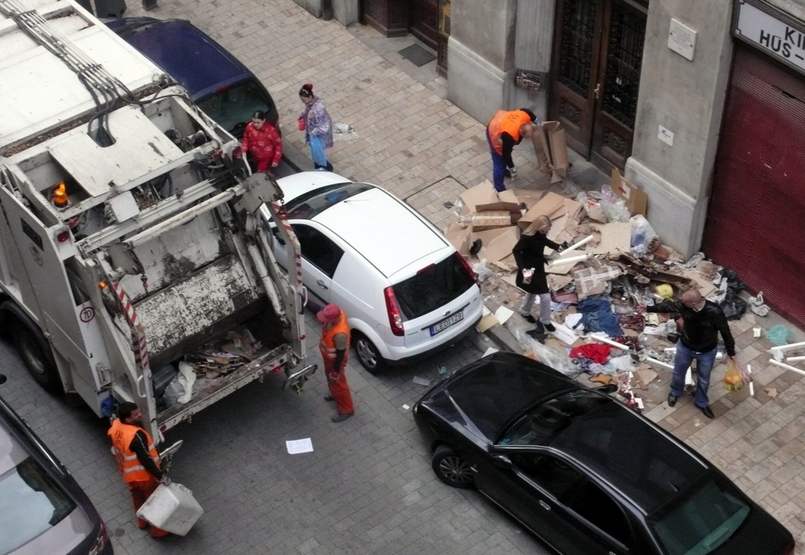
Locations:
(701, 322)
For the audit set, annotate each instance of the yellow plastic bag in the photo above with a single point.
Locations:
(732, 378)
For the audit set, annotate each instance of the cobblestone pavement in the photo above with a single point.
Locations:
(368, 487)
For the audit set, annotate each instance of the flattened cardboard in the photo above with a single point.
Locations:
(507, 263)
(483, 193)
(557, 143)
(486, 322)
(542, 150)
(501, 246)
(700, 282)
(459, 237)
(551, 205)
(527, 196)
(636, 200)
(487, 236)
(616, 237)
(480, 221)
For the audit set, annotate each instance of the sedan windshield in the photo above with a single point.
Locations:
(30, 504)
(701, 522)
(232, 108)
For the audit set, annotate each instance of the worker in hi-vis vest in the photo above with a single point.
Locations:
(505, 130)
(137, 459)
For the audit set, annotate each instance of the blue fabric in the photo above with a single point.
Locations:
(498, 166)
(704, 366)
(317, 151)
(597, 315)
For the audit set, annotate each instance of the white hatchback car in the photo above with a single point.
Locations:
(404, 288)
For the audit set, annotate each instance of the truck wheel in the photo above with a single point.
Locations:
(32, 348)
(451, 468)
(368, 355)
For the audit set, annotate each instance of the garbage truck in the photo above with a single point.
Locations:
(134, 263)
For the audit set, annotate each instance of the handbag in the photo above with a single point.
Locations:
(301, 123)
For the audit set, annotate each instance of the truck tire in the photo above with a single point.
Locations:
(35, 353)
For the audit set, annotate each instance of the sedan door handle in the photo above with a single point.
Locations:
(321, 284)
(544, 505)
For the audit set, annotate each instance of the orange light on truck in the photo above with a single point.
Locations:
(60, 195)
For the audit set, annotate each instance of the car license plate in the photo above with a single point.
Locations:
(446, 323)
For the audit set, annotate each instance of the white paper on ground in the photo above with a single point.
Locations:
(489, 351)
(503, 314)
(572, 320)
(564, 334)
(296, 446)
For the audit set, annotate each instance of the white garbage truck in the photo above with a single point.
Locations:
(134, 264)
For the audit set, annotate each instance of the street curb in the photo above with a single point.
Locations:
(501, 336)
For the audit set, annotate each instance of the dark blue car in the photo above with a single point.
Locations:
(217, 81)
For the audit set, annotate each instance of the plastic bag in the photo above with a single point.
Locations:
(613, 207)
(482, 270)
(778, 334)
(642, 235)
(733, 381)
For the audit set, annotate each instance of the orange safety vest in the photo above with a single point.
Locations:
(327, 343)
(127, 462)
(506, 122)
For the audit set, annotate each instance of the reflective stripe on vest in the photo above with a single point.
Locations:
(506, 122)
(327, 343)
(127, 462)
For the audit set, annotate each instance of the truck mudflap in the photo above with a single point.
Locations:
(277, 360)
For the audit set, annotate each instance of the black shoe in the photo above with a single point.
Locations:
(507, 173)
(329, 167)
(550, 327)
(707, 411)
(476, 247)
(340, 417)
(328, 397)
(671, 399)
(530, 319)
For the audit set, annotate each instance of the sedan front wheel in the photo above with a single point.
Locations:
(452, 469)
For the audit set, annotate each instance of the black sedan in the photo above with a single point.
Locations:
(42, 507)
(582, 471)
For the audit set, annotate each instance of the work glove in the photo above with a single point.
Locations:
(165, 481)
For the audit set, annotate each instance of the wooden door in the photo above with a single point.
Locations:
(597, 53)
(425, 21)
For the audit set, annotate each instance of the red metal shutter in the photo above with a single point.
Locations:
(756, 217)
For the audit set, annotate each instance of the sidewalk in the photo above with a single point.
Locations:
(412, 141)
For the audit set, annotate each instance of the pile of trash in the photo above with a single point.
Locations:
(176, 382)
(615, 263)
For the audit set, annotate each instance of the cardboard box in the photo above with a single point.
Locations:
(527, 196)
(483, 193)
(551, 205)
(480, 221)
(501, 246)
(557, 143)
(636, 200)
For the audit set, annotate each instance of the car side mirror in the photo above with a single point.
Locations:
(607, 389)
(502, 461)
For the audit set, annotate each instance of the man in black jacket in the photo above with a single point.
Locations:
(699, 327)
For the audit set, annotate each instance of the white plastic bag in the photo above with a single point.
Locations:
(613, 207)
(642, 235)
(482, 270)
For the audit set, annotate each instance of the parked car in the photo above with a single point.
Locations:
(218, 82)
(405, 289)
(582, 471)
(42, 507)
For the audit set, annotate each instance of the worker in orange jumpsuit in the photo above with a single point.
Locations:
(505, 130)
(137, 459)
(333, 346)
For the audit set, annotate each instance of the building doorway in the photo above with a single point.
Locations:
(595, 76)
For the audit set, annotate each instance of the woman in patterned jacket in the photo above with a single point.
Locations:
(317, 125)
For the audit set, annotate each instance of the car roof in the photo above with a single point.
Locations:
(622, 447)
(375, 223)
(189, 55)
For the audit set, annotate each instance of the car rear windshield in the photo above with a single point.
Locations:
(30, 504)
(432, 287)
(313, 203)
(232, 108)
(702, 521)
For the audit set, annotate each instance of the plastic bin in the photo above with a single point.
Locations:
(172, 508)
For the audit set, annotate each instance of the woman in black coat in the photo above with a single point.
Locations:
(529, 253)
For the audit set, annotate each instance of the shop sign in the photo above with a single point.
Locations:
(771, 31)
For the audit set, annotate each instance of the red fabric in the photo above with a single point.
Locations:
(594, 351)
(339, 388)
(140, 492)
(265, 145)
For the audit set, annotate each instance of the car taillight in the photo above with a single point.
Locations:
(393, 309)
(466, 266)
(100, 542)
(790, 549)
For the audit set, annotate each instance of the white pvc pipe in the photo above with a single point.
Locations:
(609, 342)
(751, 383)
(576, 245)
(788, 347)
(795, 359)
(563, 261)
(787, 366)
(660, 363)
